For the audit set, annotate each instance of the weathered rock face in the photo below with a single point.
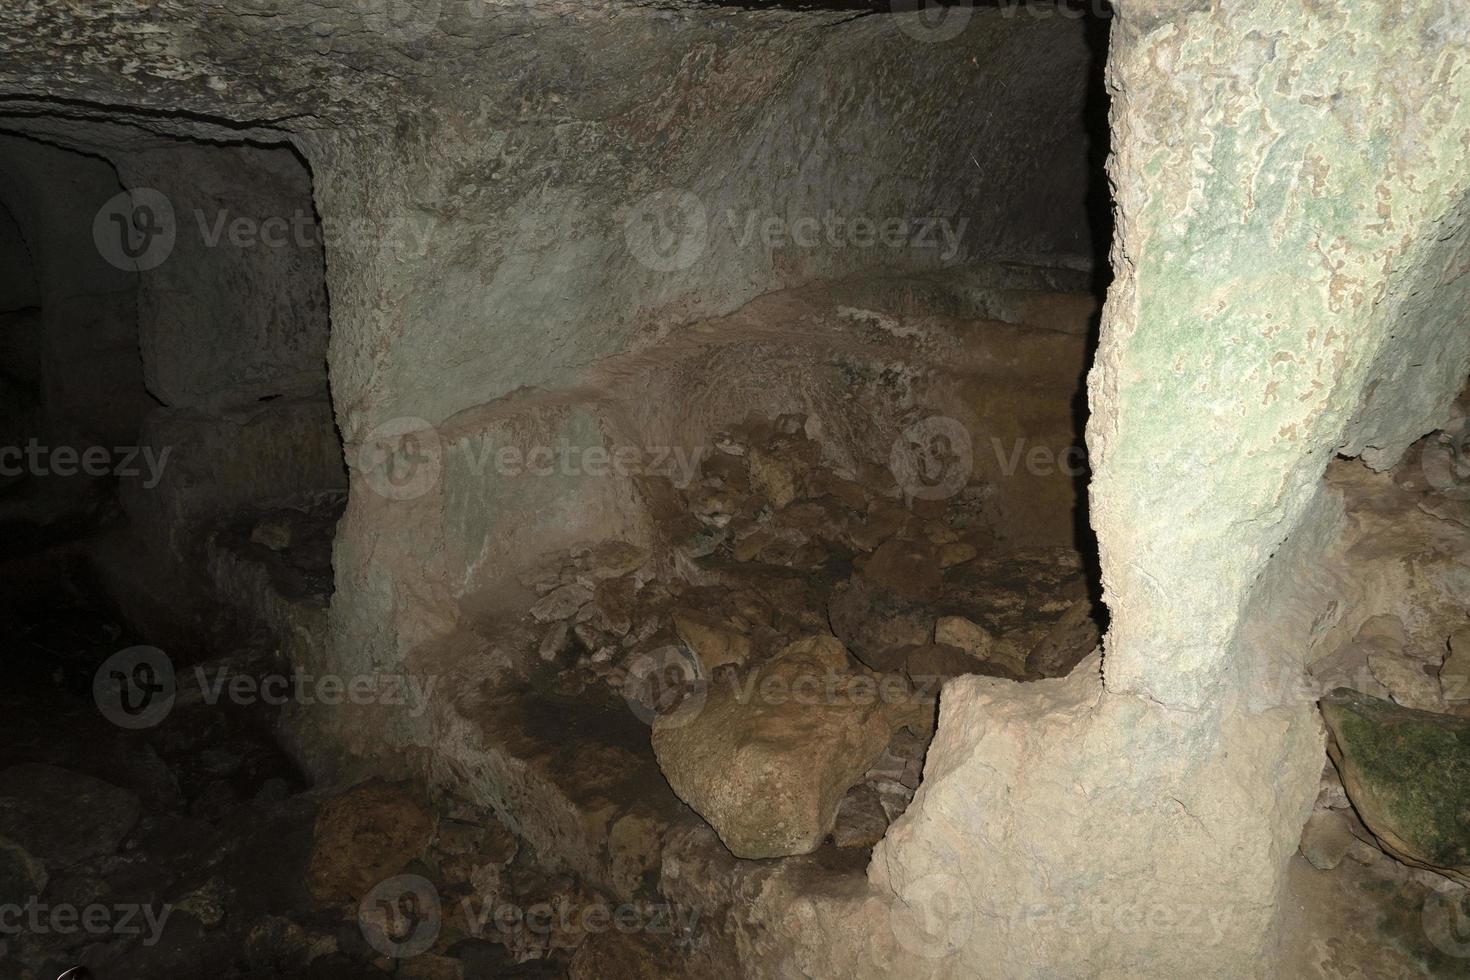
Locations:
(1407, 774)
(769, 767)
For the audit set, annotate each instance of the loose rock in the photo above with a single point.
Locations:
(1407, 773)
(768, 763)
(364, 836)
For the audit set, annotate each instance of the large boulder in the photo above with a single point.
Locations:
(364, 836)
(767, 761)
(1407, 773)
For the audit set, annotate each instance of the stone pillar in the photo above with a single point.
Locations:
(1290, 187)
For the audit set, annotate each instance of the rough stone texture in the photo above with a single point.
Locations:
(1407, 773)
(1250, 324)
(1326, 839)
(364, 836)
(216, 463)
(238, 311)
(61, 817)
(768, 770)
(1234, 397)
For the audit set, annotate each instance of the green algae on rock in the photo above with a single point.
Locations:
(1407, 774)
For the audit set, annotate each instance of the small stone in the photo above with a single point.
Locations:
(589, 637)
(728, 445)
(711, 641)
(702, 543)
(614, 602)
(790, 423)
(561, 603)
(205, 903)
(461, 848)
(272, 534)
(614, 559)
(956, 553)
(878, 624)
(555, 642)
(941, 534)
(884, 522)
(1326, 839)
(971, 637)
(1074, 637)
(861, 819)
(750, 546)
(1405, 678)
(772, 478)
(1330, 794)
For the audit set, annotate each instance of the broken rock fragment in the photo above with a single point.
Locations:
(768, 759)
